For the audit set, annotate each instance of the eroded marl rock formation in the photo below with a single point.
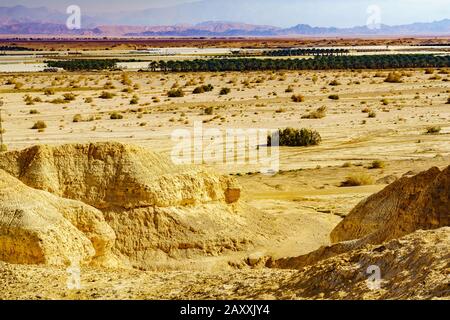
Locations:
(37, 227)
(161, 213)
(409, 204)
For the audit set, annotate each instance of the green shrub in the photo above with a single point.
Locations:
(290, 137)
(3, 148)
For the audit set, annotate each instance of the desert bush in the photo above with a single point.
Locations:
(39, 125)
(49, 91)
(203, 89)
(88, 100)
(3, 148)
(208, 111)
(319, 113)
(115, 115)
(175, 93)
(289, 89)
(34, 111)
(224, 91)
(433, 130)
(333, 97)
(393, 77)
(291, 137)
(134, 100)
(377, 164)
(448, 100)
(106, 95)
(69, 97)
(298, 98)
(334, 83)
(357, 179)
(372, 114)
(77, 118)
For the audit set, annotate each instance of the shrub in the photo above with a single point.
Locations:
(208, 111)
(203, 89)
(433, 129)
(333, 97)
(3, 148)
(134, 100)
(49, 92)
(289, 89)
(377, 164)
(175, 93)
(316, 114)
(290, 137)
(40, 125)
(106, 95)
(357, 179)
(34, 111)
(372, 114)
(88, 100)
(393, 77)
(224, 91)
(448, 100)
(69, 97)
(298, 98)
(77, 118)
(115, 116)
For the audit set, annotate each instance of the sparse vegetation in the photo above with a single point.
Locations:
(298, 98)
(175, 93)
(357, 179)
(291, 137)
(433, 130)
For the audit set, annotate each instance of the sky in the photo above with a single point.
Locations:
(282, 13)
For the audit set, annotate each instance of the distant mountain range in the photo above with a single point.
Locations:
(20, 20)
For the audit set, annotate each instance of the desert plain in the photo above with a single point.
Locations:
(206, 245)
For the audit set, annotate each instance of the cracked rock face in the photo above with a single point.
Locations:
(152, 212)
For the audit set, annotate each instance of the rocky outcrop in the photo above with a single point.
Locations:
(162, 214)
(409, 204)
(37, 227)
(412, 203)
(107, 175)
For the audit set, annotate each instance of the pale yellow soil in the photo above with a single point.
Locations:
(300, 205)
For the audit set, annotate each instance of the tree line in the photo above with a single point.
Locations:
(84, 64)
(305, 52)
(317, 63)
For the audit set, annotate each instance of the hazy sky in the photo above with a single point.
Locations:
(340, 13)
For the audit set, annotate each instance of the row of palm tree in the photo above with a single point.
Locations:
(317, 63)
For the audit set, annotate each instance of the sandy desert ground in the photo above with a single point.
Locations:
(371, 121)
